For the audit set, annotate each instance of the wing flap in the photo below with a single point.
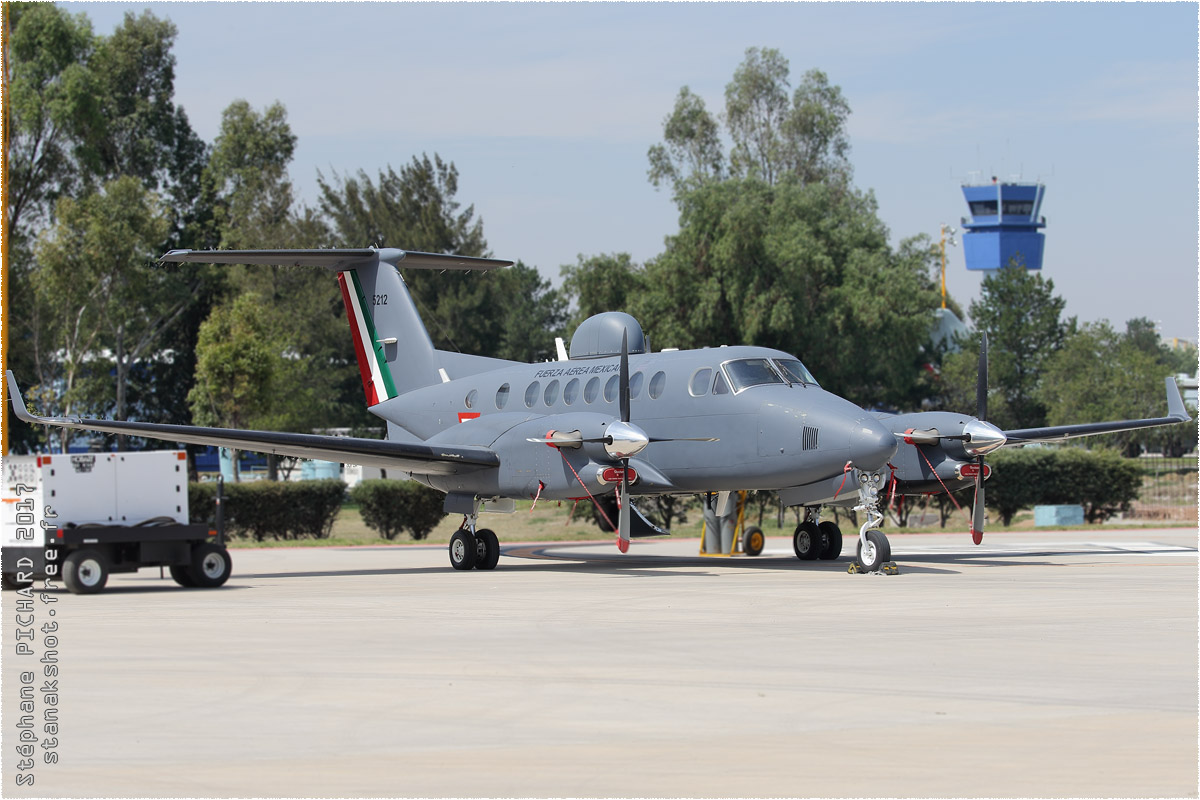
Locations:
(421, 459)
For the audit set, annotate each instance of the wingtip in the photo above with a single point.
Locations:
(1175, 405)
(14, 396)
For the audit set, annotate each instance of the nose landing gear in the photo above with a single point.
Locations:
(874, 553)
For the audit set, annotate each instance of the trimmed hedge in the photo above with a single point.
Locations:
(271, 509)
(391, 507)
(1099, 480)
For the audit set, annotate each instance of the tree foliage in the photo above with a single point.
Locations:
(775, 247)
(97, 265)
(775, 133)
(1101, 374)
(238, 359)
(805, 268)
(1023, 320)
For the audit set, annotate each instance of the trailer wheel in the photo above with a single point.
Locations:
(211, 565)
(85, 571)
(753, 541)
(180, 575)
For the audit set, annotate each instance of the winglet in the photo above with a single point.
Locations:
(14, 394)
(1175, 406)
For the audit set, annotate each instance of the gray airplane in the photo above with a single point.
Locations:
(610, 417)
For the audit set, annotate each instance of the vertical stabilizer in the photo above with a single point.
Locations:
(394, 351)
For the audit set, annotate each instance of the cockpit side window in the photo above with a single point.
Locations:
(794, 371)
(746, 372)
(719, 385)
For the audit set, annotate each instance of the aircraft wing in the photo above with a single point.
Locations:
(421, 459)
(1176, 412)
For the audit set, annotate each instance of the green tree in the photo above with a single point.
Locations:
(238, 362)
(50, 97)
(1100, 374)
(805, 268)
(692, 144)
(606, 282)
(97, 264)
(416, 209)
(1023, 320)
(776, 133)
(776, 248)
(247, 182)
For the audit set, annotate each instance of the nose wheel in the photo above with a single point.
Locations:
(874, 553)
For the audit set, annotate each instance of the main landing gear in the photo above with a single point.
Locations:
(474, 549)
(812, 540)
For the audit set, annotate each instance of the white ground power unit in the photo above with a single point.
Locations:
(82, 516)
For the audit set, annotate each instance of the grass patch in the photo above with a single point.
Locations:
(549, 522)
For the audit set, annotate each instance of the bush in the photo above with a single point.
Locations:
(1100, 480)
(275, 509)
(390, 507)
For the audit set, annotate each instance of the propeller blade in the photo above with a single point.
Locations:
(978, 510)
(624, 379)
(623, 515)
(981, 386)
(698, 439)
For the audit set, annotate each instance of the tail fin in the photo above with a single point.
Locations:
(394, 351)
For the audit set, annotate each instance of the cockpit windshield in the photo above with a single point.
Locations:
(746, 372)
(794, 371)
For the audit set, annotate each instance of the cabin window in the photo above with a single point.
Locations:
(610, 389)
(472, 398)
(701, 379)
(657, 384)
(551, 395)
(591, 391)
(747, 372)
(571, 393)
(502, 396)
(635, 384)
(794, 371)
(531, 394)
(719, 385)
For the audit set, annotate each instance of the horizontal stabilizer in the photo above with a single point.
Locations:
(336, 259)
(420, 459)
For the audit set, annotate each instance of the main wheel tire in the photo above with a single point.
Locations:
(753, 540)
(877, 552)
(180, 575)
(9, 582)
(806, 541)
(487, 549)
(463, 550)
(85, 571)
(211, 566)
(831, 541)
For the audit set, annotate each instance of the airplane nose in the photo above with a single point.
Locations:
(871, 445)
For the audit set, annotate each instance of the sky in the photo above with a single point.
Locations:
(548, 109)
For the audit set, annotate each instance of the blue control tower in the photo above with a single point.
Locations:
(1004, 225)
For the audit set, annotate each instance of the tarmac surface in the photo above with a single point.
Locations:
(1038, 664)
